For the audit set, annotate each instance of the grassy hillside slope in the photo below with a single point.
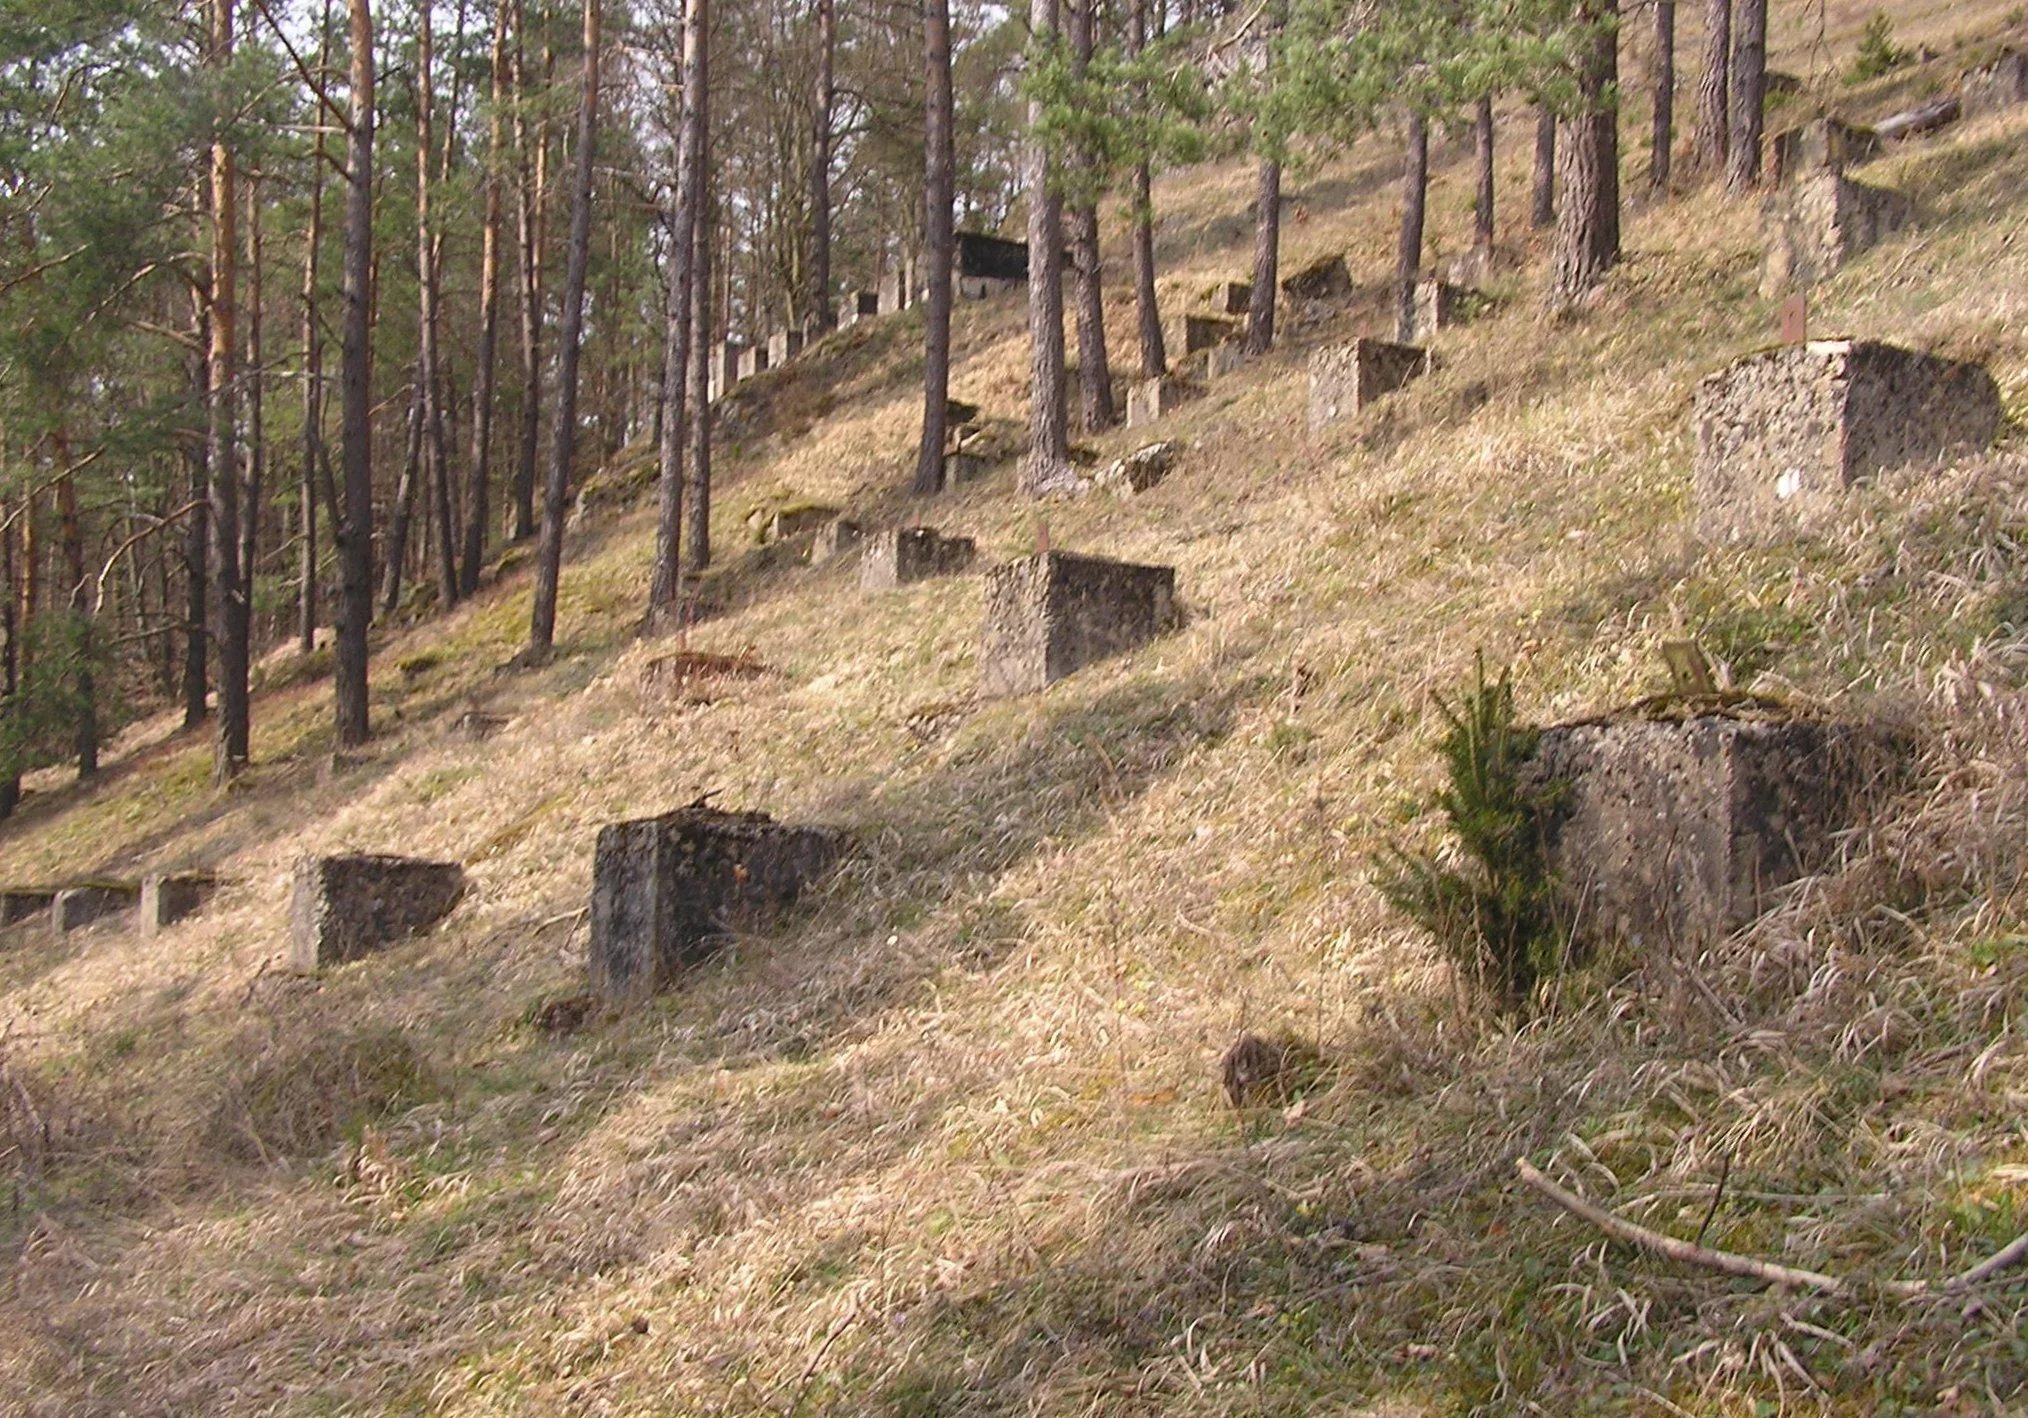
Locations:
(952, 1142)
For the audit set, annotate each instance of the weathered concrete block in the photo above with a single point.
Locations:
(1150, 399)
(785, 523)
(1325, 278)
(1051, 614)
(1231, 297)
(858, 305)
(993, 258)
(1203, 332)
(753, 360)
(77, 906)
(961, 467)
(1139, 470)
(22, 903)
(985, 287)
(1783, 433)
(902, 555)
(783, 346)
(1347, 378)
(1999, 85)
(835, 537)
(346, 907)
(1221, 360)
(667, 890)
(1821, 145)
(725, 361)
(1439, 305)
(167, 897)
(1680, 832)
(1816, 224)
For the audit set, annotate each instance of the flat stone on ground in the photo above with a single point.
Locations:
(1053, 613)
(167, 897)
(1678, 832)
(903, 555)
(668, 890)
(1781, 435)
(349, 906)
(1346, 378)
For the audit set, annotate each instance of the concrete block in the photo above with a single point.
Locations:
(1782, 434)
(1325, 278)
(1231, 297)
(783, 346)
(2000, 85)
(1225, 359)
(167, 897)
(23, 903)
(1139, 470)
(1203, 332)
(668, 890)
(1678, 832)
(993, 258)
(1151, 399)
(902, 555)
(753, 360)
(834, 538)
(858, 305)
(1439, 305)
(1821, 145)
(1051, 614)
(786, 523)
(77, 906)
(1813, 226)
(1346, 378)
(725, 364)
(346, 907)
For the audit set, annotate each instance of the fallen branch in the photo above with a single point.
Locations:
(1752, 1267)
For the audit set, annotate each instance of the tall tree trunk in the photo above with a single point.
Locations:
(354, 532)
(823, 102)
(78, 606)
(1714, 87)
(697, 495)
(10, 658)
(1154, 358)
(313, 367)
(489, 322)
(1482, 167)
(428, 373)
(1749, 96)
(1588, 219)
(556, 482)
(1094, 368)
(196, 537)
(1542, 193)
(1414, 206)
(1048, 430)
(666, 582)
(256, 411)
(233, 621)
(1662, 135)
(1267, 255)
(939, 194)
(532, 171)
(401, 517)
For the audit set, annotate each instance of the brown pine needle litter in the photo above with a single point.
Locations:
(955, 1140)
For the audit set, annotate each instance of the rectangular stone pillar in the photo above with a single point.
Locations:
(783, 346)
(858, 305)
(1813, 226)
(1231, 297)
(21, 903)
(1203, 332)
(1438, 306)
(77, 906)
(1051, 614)
(1345, 379)
(1782, 434)
(346, 907)
(1151, 399)
(167, 897)
(902, 555)
(668, 890)
(1325, 278)
(834, 538)
(752, 360)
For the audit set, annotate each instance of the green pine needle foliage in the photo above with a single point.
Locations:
(1494, 913)
(1878, 53)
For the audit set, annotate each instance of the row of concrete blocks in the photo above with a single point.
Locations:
(159, 900)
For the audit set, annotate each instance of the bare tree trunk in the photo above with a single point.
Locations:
(1154, 358)
(1714, 87)
(1048, 429)
(483, 382)
(1662, 135)
(1749, 96)
(10, 657)
(196, 538)
(1414, 207)
(256, 411)
(435, 446)
(697, 499)
(313, 366)
(1267, 254)
(665, 584)
(1588, 219)
(556, 484)
(401, 519)
(820, 168)
(70, 532)
(939, 242)
(1482, 165)
(532, 172)
(232, 624)
(1094, 368)
(354, 532)
(1542, 194)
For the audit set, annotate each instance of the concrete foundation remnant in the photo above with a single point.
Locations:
(1053, 613)
(348, 906)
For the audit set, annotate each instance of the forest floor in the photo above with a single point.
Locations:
(952, 1141)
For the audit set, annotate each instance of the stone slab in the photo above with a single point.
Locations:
(1346, 378)
(900, 556)
(1814, 225)
(1051, 614)
(1781, 435)
(1223, 360)
(667, 891)
(1676, 833)
(168, 897)
(346, 907)
(1151, 399)
(75, 907)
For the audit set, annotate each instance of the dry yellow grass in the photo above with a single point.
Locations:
(953, 1141)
